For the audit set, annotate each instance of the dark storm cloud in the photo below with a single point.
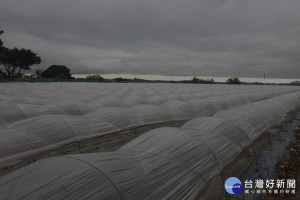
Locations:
(177, 37)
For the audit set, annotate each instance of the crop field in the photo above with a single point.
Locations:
(182, 136)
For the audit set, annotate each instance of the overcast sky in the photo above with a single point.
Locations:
(246, 38)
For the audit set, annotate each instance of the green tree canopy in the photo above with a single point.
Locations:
(56, 71)
(233, 80)
(15, 60)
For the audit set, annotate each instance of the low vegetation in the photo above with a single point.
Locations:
(233, 80)
(199, 80)
(95, 77)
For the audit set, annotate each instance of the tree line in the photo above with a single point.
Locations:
(16, 60)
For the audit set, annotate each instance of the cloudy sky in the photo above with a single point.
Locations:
(246, 38)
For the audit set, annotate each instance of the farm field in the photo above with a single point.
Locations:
(208, 127)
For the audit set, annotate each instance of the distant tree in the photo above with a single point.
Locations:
(1, 42)
(1, 47)
(57, 71)
(233, 80)
(38, 73)
(195, 80)
(295, 83)
(199, 80)
(210, 80)
(2, 74)
(95, 77)
(15, 60)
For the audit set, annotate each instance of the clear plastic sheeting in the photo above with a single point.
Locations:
(222, 126)
(248, 122)
(164, 163)
(25, 100)
(20, 141)
(60, 113)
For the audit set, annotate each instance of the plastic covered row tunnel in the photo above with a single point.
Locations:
(50, 131)
(24, 101)
(164, 163)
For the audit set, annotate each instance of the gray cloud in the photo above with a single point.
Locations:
(172, 37)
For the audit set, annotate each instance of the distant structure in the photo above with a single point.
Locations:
(57, 71)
